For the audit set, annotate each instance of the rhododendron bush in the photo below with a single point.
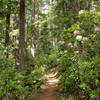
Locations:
(79, 66)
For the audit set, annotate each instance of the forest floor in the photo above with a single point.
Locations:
(49, 90)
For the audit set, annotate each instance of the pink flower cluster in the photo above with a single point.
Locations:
(61, 42)
(70, 45)
(76, 32)
(81, 12)
(97, 28)
(80, 37)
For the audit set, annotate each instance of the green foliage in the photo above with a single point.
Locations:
(11, 84)
(79, 66)
(71, 98)
(19, 85)
(48, 61)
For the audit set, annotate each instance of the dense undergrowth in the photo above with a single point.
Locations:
(16, 84)
(79, 58)
(20, 85)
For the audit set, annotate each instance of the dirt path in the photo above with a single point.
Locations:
(49, 91)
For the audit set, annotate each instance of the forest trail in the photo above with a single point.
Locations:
(49, 91)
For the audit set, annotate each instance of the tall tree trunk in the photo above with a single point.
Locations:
(7, 32)
(7, 27)
(33, 29)
(22, 35)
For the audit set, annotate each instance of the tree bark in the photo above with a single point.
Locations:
(7, 33)
(22, 34)
(33, 29)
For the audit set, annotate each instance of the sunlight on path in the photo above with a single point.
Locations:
(49, 89)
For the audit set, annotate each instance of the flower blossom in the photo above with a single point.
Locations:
(76, 32)
(85, 38)
(61, 42)
(81, 12)
(97, 29)
(70, 45)
(65, 51)
(79, 37)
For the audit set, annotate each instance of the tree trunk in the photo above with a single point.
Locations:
(33, 29)
(7, 33)
(8, 13)
(22, 35)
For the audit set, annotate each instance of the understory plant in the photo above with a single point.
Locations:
(79, 56)
(19, 85)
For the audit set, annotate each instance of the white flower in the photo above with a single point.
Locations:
(79, 37)
(85, 38)
(97, 28)
(81, 12)
(65, 51)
